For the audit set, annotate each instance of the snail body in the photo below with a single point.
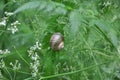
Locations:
(57, 41)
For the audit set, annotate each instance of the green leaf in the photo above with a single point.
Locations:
(50, 6)
(75, 20)
(29, 5)
(107, 31)
(113, 38)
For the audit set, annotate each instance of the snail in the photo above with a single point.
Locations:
(57, 41)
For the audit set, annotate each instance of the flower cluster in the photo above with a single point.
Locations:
(34, 47)
(13, 26)
(6, 51)
(5, 19)
(2, 64)
(9, 13)
(35, 58)
(3, 22)
(16, 66)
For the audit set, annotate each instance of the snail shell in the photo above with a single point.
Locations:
(57, 41)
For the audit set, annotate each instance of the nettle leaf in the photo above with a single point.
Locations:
(107, 31)
(75, 20)
(50, 6)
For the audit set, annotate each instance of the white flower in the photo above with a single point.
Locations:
(36, 46)
(13, 29)
(15, 23)
(2, 64)
(16, 65)
(9, 13)
(35, 58)
(6, 51)
(3, 23)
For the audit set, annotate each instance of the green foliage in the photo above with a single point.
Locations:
(75, 21)
(91, 37)
(46, 6)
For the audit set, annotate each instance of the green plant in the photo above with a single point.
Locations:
(91, 38)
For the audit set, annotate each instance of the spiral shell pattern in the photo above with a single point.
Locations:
(57, 41)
